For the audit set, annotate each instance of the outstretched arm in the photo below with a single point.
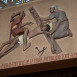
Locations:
(45, 18)
(27, 23)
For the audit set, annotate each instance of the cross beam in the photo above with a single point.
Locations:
(37, 20)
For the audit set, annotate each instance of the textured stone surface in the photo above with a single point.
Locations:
(68, 44)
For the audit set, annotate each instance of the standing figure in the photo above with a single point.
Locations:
(17, 28)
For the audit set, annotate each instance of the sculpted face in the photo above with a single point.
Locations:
(51, 10)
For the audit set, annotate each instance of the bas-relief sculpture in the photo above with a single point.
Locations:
(56, 30)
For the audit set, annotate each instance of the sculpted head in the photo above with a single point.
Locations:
(52, 8)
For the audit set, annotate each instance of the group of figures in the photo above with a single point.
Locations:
(55, 30)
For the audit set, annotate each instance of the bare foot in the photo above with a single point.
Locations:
(27, 46)
(70, 33)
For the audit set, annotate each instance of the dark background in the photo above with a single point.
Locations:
(70, 72)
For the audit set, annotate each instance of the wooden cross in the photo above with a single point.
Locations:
(37, 20)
